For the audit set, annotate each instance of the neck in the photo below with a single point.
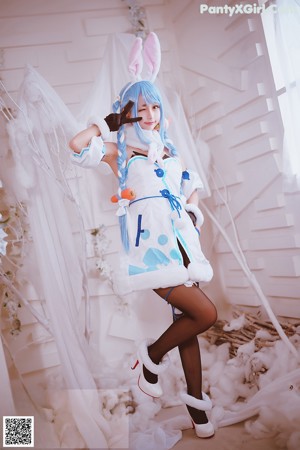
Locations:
(134, 141)
(137, 150)
(154, 149)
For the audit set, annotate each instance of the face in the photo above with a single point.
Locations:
(150, 114)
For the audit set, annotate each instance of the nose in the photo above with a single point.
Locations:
(149, 113)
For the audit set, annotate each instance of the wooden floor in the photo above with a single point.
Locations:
(233, 437)
(226, 438)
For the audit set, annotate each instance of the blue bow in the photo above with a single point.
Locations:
(175, 204)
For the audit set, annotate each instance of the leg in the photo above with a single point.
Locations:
(191, 363)
(199, 314)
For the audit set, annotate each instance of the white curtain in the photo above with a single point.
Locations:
(37, 137)
(287, 37)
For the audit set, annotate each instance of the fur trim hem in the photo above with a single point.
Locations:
(200, 271)
(201, 405)
(101, 124)
(148, 363)
(162, 278)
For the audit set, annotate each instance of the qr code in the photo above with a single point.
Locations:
(18, 431)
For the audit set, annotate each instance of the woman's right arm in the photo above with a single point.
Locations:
(83, 138)
(88, 145)
(89, 149)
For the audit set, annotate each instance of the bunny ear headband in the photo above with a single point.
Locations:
(151, 55)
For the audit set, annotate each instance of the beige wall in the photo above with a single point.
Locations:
(231, 99)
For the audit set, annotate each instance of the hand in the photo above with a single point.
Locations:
(115, 120)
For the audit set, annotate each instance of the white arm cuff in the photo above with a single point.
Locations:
(101, 124)
(90, 156)
(190, 182)
(190, 207)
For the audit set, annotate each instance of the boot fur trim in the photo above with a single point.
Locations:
(148, 363)
(201, 405)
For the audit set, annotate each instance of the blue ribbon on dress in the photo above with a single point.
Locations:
(175, 204)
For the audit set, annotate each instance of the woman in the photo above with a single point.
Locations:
(157, 200)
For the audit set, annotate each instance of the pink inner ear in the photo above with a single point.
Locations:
(152, 55)
(135, 59)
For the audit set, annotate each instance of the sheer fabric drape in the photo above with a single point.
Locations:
(37, 137)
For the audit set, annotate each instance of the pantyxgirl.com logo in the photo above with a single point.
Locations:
(241, 8)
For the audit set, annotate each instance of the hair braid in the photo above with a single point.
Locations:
(122, 176)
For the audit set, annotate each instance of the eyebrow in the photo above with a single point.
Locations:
(145, 104)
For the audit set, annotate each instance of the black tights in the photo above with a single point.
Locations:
(199, 314)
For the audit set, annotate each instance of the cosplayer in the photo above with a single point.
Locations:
(159, 221)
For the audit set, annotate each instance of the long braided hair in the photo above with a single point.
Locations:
(151, 95)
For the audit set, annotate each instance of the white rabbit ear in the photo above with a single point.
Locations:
(135, 65)
(152, 55)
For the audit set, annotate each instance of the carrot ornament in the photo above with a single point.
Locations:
(127, 193)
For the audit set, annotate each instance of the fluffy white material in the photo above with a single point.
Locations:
(201, 405)
(165, 277)
(264, 335)
(200, 272)
(235, 324)
(245, 351)
(190, 207)
(101, 124)
(271, 396)
(148, 363)
(178, 220)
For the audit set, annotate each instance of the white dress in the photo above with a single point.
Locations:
(157, 223)
(159, 228)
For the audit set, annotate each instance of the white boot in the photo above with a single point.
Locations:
(203, 430)
(152, 389)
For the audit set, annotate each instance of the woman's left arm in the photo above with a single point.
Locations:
(194, 198)
(191, 182)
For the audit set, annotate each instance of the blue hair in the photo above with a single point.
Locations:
(151, 95)
(122, 176)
